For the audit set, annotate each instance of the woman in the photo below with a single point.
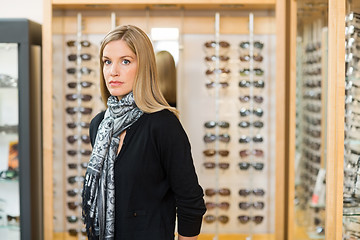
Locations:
(140, 173)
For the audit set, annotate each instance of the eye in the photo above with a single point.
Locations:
(106, 62)
(126, 62)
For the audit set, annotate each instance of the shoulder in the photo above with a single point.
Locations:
(163, 118)
(165, 124)
(94, 124)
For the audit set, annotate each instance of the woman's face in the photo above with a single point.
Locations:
(120, 68)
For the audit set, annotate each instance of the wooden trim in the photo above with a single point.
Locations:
(202, 236)
(292, 121)
(280, 226)
(157, 2)
(47, 121)
(204, 25)
(335, 120)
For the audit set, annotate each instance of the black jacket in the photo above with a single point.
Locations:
(154, 179)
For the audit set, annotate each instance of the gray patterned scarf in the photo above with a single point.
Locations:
(99, 191)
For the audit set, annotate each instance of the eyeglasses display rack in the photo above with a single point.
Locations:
(77, 100)
(227, 98)
(321, 190)
(237, 168)
(20, 130)
(351, 200)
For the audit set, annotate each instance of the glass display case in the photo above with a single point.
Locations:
(20, 130)
(318, 165)
(351, 207)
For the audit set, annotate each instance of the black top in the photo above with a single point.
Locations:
(154, 175)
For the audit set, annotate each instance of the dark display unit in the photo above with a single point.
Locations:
(20, 129)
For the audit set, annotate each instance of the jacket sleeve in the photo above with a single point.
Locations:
(175, 153)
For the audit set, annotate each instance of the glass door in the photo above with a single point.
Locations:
(311, 94)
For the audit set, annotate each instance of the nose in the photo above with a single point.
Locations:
(114, 70)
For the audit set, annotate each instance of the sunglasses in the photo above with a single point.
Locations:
(245, 219)
(311, 47)
(74, 179)
(246, 58)
(312, 83)
(245, 165)
(83, 70)
(212, 124)
(255, 152)
(73, 205)
(214, 84)
(213, 44)
(246, 112)
(9, 174)
(74, 232)
(222, 191)
(313, 108)
(351, 57)
(246, 124)
(312, 132)
(255, 205)
(75, 165)
(246, 44)
(212, 218)
(73, 43)
(72, 219)
(246, 98)
(212, 152)
(211, 165)
(255, 192)
(312, 95)
(222, 205)
(222, 73)
(83, 110)
(211, 61)
(257, 84)
(351, 30)
(73, 192)
(81, 124)
(73, 138)
(13, 218)
(83, 84)
(83, 152)
(208, 138)
(73, 97)
(83, 56)
(247, 71)
(9, 128)
(312, 120)
(247, 139)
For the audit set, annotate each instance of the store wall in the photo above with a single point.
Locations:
(32, 10)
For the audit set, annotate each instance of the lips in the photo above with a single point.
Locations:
(115, 83)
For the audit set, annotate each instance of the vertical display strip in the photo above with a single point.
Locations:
(251, 116)
(217, 132)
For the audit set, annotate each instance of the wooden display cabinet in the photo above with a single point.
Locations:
(304, 14)
(60, 19)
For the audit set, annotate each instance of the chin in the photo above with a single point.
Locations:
(119, 94)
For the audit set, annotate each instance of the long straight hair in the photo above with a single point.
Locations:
(166, 71)
(147, 94)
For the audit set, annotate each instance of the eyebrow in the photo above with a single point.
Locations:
(126, 56)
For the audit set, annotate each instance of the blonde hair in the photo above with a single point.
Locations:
(147, 94)
(167, 75)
